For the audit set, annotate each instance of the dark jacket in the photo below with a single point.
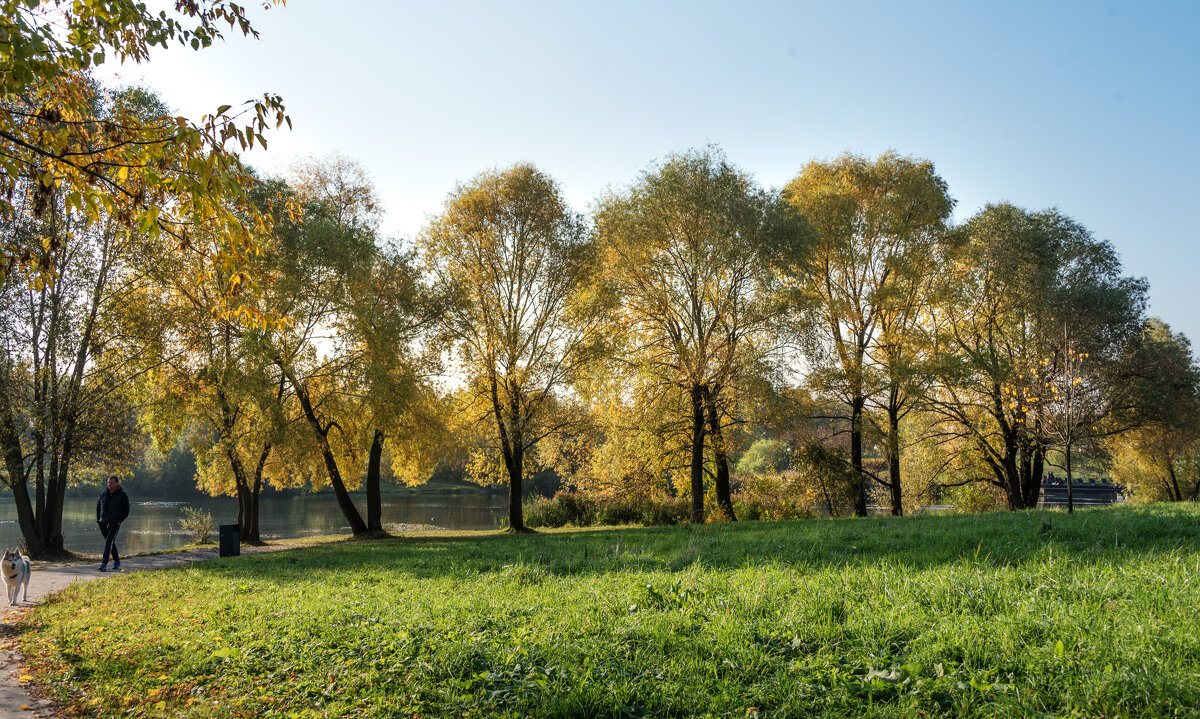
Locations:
(112, 507)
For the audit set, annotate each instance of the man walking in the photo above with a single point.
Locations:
(111, 510)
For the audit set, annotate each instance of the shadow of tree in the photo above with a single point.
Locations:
(1112, 535)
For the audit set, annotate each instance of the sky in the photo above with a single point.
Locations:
(1090, 107)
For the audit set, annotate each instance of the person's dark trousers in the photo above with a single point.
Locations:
(109, 529)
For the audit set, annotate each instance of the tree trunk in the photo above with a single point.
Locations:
(1033, 486)
(241, 487)
(240, 484)
(1024, 473)
(374, 501)
(39, 489)
(56, 492)
(516, 490)
(893, 457)
(1070, 481)
(253, 535)
(697, 477)
(720, 456)
(344, 500)
(856, 455)
(248, 492)
(1012, 480)
(243, 498)
(1174, 490)
(14, 464)
(512, 449)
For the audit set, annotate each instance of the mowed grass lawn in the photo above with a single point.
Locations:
(1026, 614)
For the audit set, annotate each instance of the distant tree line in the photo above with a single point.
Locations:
(838, 339)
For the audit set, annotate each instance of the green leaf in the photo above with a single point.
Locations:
(1059, 649)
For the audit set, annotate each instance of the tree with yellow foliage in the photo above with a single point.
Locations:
(1158, 456)
(357, 311)
(1018, 283)
(163, 176)
(880, 225)
(519, 328)
(698, 258)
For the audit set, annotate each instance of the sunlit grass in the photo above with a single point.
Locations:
(1006, 614)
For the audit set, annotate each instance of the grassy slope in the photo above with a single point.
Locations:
(1003, 614)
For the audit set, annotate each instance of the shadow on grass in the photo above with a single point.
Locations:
(1113, 535)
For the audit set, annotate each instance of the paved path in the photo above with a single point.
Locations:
(15, 698)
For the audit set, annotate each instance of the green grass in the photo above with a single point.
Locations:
(1023, 614)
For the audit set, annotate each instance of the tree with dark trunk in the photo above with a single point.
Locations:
(320, 430)
(69, 359)
(515, 258)
(994, 350)
(721, 484)
(696, 258)
(357, 312)
(1156, 452)
(879, 225)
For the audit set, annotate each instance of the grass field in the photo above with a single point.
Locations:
(1004, 614)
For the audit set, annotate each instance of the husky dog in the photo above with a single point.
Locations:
(16, 571)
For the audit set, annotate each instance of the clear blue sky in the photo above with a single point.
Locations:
(1091, 107)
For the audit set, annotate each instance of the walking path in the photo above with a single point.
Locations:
(15, 698)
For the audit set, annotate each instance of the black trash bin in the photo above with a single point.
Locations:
(231, 540)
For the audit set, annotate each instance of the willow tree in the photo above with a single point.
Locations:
(66, 366)
(514, 257)
(878, 226)
(356, 312)
(1157, 453)
(1009, 287)
(696, 253)
(213, 385)
(388, 367)
(158, 175)
(72, 350)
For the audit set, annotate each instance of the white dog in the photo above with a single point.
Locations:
(16, 571)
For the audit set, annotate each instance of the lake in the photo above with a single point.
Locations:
(153, 525)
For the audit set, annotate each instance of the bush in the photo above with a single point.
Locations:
(785, 495)
(197, 523)
(666, 511)
(583, 511)
(976, 497)
(562, 509)
(820, 484)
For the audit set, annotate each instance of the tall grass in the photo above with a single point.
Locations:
(1027, 614)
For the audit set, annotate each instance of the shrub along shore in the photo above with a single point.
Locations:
(1012, 614)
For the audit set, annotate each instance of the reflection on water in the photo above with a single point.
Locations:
(153, 525)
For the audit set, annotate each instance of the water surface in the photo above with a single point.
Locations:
(153, 525)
